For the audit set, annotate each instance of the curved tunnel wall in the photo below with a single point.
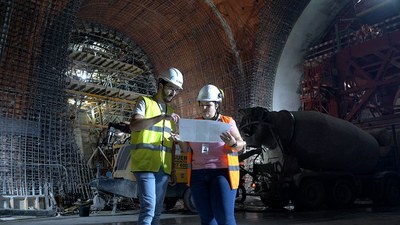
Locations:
(312, 23)
(183, 34)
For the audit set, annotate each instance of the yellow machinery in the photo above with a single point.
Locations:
(175, 192)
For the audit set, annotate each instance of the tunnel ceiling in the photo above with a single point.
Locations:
(238, 45)
(231, 43)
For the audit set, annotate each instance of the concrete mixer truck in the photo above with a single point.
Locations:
(313, 159)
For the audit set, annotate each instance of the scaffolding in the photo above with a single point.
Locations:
(39, 159)
(106, 75)
(354, 74)
(318, 87)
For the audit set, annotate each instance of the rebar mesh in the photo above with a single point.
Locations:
(277, 20)
(38, 153)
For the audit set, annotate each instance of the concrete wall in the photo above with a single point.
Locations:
(311, 25)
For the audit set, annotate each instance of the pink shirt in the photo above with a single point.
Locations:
(216, 157)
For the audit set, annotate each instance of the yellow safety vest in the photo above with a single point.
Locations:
(233, 161)
(151, 148)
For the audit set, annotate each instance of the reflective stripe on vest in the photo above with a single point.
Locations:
(233, 161)
(151, 148)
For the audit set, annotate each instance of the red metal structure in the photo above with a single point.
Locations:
(356, 74)
(369, 77)
(318, 87)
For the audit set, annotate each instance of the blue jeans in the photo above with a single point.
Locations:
(151, 190)
(213, 196)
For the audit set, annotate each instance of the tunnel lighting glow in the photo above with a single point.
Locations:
(71, 101)
(83, 74)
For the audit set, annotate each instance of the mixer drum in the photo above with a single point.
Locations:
(324, 143)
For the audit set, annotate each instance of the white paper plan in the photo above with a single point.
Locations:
(201, 130)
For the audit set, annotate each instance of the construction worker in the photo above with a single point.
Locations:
(213, 168)
(152, 150)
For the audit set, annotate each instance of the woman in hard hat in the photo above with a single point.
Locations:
(213, 173)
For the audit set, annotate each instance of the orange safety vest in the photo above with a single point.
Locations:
(233, 161)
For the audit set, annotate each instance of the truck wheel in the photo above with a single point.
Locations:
(274, 200)
(392, 191)
(310, 195)
(274, 203)
(240, 194)
(170, 203)
(188, 201)
(341, 194)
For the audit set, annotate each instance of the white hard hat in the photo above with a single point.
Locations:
(210, 93)
(173, 76)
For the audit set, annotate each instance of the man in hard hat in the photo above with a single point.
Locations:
(152, 149)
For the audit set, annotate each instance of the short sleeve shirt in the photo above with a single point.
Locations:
(140, 107)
